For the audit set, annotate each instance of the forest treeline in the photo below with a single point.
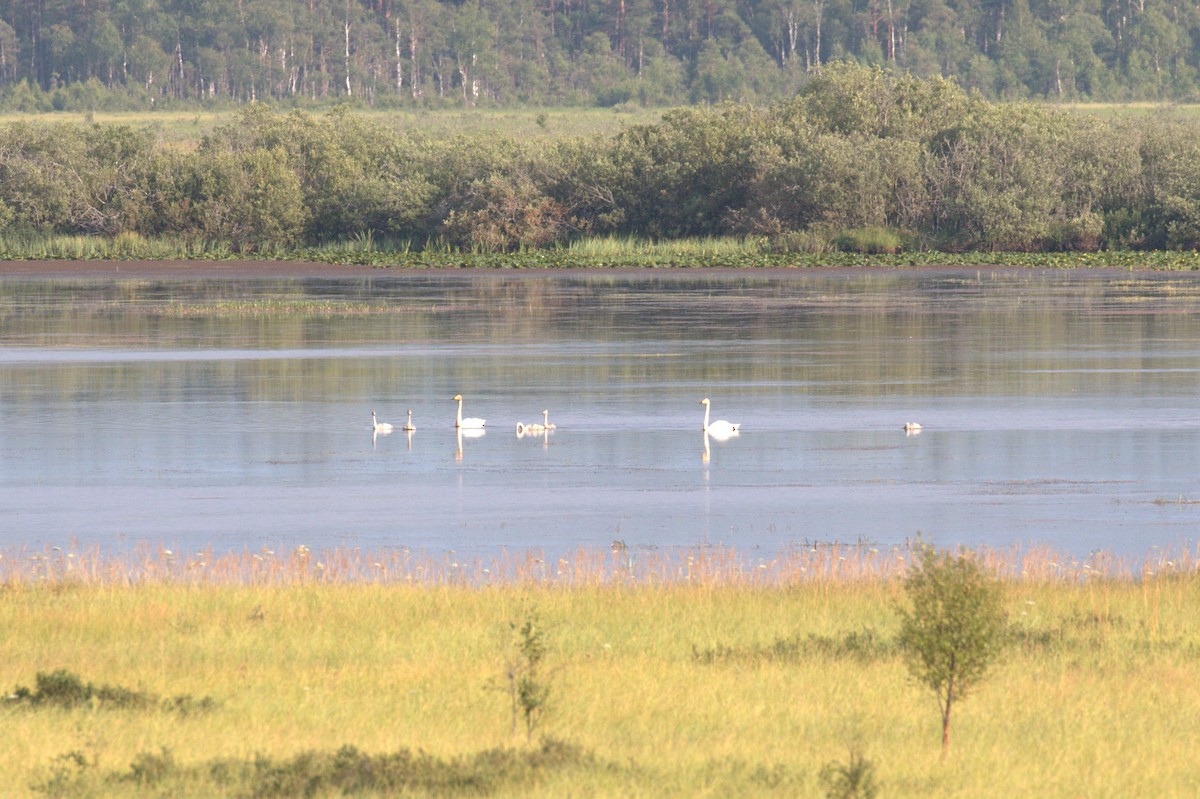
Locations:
(110, 54)
(859, 159)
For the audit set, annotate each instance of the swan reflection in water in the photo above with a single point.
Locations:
(725, 435)
(466, 432)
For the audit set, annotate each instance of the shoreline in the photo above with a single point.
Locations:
(182, 269)
(265, 269)
(618, 566)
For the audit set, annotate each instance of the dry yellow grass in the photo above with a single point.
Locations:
(1097, 695)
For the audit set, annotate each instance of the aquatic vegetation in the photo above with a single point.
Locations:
(803, 564)
(585, 253)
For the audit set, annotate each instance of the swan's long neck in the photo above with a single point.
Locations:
(458, 418)
(546, 418)
(705, 416)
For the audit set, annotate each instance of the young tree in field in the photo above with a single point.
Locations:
(954, 629)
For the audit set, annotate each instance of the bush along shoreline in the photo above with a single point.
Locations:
(861, 166)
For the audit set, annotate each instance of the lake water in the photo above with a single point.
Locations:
(1058, 408)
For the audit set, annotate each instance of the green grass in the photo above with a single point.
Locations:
(190, 126)
(524, 123)
(1130, 110)
(616, 248)
(595, 252)
(701, 674)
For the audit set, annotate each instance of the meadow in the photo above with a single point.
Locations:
(190, 126)
(690, 673)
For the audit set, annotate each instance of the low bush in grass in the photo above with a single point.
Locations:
(65, 689)
(869, 241)
(348, 771)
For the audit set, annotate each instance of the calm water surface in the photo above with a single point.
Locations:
(1058, 408)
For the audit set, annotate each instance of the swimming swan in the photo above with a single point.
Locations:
(378, 426)
(912, 427)
(409, 425)
(535, 428)
(719, 427)
(470, 423)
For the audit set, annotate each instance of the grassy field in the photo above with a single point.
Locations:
(521, 123)
(1132, 110)
(692, 674)
(190, 126)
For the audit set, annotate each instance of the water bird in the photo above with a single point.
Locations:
(470, 423)
(408, 426)
(719, 428)
(378, 426)
(534, 428)
(912, 427)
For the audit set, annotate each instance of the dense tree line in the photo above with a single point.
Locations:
(129, 53)
(920, 160)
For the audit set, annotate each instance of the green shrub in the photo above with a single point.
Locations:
(65, 689)
(852, 780)
(869, 240)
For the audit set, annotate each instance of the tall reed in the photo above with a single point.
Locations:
(808, 564)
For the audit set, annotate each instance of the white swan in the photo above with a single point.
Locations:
(378, 426)
(469, 423)
(529, 429)
(535, 428)
(720, 427)
(912, 427)
(409, 425)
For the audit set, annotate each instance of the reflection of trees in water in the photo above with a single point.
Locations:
(886, 333)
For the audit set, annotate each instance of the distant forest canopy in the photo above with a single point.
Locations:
(859, 160)
(124, 54)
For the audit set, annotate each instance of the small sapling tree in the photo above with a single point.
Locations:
(852, 780)
(526, 680)
(954, 629)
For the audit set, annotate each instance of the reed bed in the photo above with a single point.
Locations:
(620, 565)
(632, 248)
(590, 252)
